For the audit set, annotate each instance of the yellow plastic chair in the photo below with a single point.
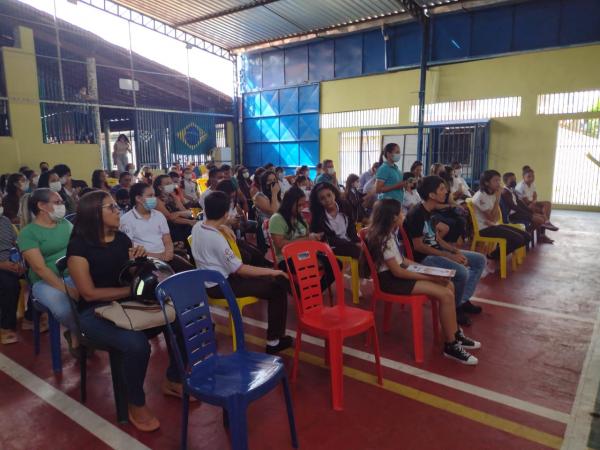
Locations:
(355, 277)
(490, 240)
(201, 182)
(222, 302)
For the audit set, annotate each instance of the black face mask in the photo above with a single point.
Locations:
(512, 184)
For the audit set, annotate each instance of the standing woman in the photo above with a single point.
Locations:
(354, 197)
(333, 217)
(16, 186)
(10, 273)
(97, 252)
(120, 150)
(99, 180)
(42, 242)
(389, 182)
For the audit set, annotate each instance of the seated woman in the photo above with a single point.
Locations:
(287, 225)
(42, 242)
(268, 199)
(50, 179)
(178, 217)
(97, 251)
(411, 196)
(394, 278)
(332, 218)
(451, 218)
(10, 273)
(355, 198)
(16, 186)
(189, 188)
(148, 228)
(487, 214)
(211, 251)
(255, 186)
(99, 180)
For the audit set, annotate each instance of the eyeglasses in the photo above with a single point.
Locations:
(113, 207)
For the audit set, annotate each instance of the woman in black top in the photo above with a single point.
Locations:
(355, 198)
(96, 252)
(333, 217)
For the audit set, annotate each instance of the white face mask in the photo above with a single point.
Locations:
(58, 213)
(330, 170)
(131, 171)
(246, 175)
(188, 176)
(64, 180)
(169, 188)
(36, 179)
(55, 186)
(457, 173)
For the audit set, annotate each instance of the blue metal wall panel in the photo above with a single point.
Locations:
(252, 155)
(252, 105)
(373, 52)
(252, 130)
(270, 129)
(405, 45)
(451, 38)
(270, 153)
(288, 101)
(289, 155)
(320, 61)
(491, 31)
(309, 154)
(288, 128)
(580, 21)
(308, 127)
(348, 56)
(272, 69)
(537, 25)
(252, 70)
(308, 98)
(296, 65)
(269, 103)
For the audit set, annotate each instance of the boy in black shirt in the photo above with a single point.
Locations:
(430, 250)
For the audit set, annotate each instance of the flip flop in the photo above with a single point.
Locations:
(147, 426)
(8, 337)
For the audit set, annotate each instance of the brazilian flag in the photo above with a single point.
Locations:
(192, 134)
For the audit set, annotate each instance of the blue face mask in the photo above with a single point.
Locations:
(396, 157)
(150, 203)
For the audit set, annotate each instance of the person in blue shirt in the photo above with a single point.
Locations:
(328, 175)
(389, 182)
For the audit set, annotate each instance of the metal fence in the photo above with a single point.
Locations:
(466, 143)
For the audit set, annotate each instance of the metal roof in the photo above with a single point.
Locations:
(238, 25)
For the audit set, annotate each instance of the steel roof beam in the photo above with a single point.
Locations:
(160, 27)
(226, 12)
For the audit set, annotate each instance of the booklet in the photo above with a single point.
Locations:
(436, 271)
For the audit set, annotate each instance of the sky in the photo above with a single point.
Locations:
(205, 67)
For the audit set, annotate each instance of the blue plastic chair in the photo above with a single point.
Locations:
(230, 381)
(54, 328)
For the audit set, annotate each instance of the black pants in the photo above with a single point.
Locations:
(272, 289)
(180, 264)
(455, 221)
(515, 238)
(326, 278)
(9, 299)
(346, 249)
(252, 255)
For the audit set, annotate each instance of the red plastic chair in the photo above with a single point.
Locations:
(415, 301)
(333, 323)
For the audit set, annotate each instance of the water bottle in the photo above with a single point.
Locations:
(14, 255)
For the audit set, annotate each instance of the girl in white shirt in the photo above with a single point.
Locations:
(488, 217)
(394, 278)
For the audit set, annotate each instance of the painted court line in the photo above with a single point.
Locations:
(470, 389)
(533, 309)
(579, 426)
(86, 418)
(466, 412)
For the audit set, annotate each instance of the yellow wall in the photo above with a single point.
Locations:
(528, 139)
(25, 146)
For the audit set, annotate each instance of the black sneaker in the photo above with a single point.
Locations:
(462, 318)
(284, 342)
(455, 351)
(470, 308)
(465, 341)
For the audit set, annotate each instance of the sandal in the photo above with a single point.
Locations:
(175, 390)
(8, 337)
(149, 425)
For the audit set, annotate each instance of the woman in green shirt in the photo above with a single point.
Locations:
(287, 225)
(42, 242)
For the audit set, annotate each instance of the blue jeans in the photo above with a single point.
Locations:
(135, 350)
(466, 278)
(56, 301)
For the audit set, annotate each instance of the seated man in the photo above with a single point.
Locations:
(518, 212)
(527, 194)
(211, 251)
(430, 250)
(328, 175)
(215, 175)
